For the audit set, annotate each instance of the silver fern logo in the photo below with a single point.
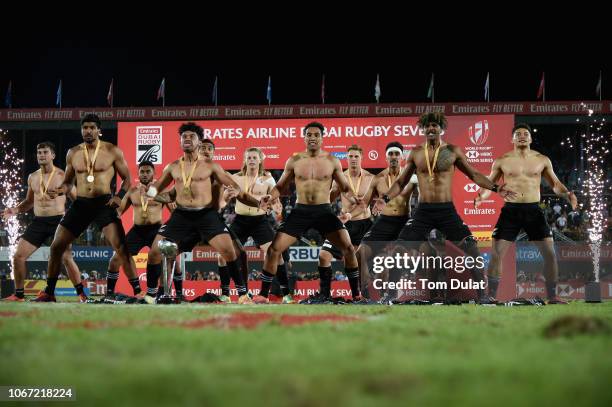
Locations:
(149, 144)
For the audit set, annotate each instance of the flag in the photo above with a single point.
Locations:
(269, 91)
(8, 99)
(377, 88)
(161, 92)
(323, 89)
(109, 96)
(215, 91)
(597, 88)
(486, 89)
(58, 96)
(541, 91)
(430, 91)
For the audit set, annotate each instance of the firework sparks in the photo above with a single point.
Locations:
(596, 149)
(11, 187)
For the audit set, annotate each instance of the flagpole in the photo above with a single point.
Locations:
(600, 86)
(112, 93)
(323, 90)
(216, 90)
(433, 88)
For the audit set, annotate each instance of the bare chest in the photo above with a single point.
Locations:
(103, 162)
(444, 161)
(313, 169)
(522, 167)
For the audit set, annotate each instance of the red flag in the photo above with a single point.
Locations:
(541, 88)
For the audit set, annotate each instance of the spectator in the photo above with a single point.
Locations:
(573, 218)
(89, 235)
(561, 223)
(3, 237)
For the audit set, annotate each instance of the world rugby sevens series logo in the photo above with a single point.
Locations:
(479, 132)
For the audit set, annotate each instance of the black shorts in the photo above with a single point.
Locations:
(192, 240)
(516, 216)
(184, 224)
(442, 216)
(385, 229)
(357, 229)
(140, 236)
(41, 229)
(84, 211)
(304, 217)
(256, 226)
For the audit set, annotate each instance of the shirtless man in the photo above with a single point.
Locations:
(207, 150)
(434, 163)
(393, 217)
(522, 170)
(92, 164)
(251, 221)
(356, 219)
(47, 215)
(147, 218)
(196, 211)
(313, 172)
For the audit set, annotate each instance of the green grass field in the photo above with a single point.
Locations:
(400, 355)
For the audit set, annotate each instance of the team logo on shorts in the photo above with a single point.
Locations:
(479, 132)
(149, 144)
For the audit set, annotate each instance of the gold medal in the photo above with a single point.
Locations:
(431, 167)
(90, 168)
(145, 204)
(187, 180)
(355, 190)
(45, 187)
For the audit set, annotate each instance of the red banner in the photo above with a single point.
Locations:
(573, 290)
(483, 138)
(549, 108)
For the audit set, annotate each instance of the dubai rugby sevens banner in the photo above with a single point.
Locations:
(482, 138)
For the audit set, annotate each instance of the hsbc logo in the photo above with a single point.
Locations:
(471, 188)
(472, 154)
(373, 154)
(565, 290)
(479, 132)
